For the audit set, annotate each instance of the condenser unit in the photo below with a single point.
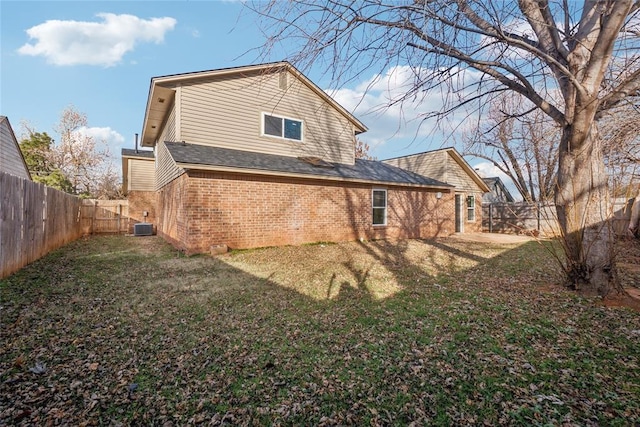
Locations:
(143, 229)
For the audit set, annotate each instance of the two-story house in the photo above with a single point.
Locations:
(259, 156)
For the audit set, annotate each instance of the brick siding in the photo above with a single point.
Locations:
(201, 209)
(139, 203)
(475, 226)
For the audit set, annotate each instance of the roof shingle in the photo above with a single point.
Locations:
(362, 170)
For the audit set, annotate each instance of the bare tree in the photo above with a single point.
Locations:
(621, 128)
(78, 164)
(85, 162)
(521, 142)
(362, 150)
(470, 50)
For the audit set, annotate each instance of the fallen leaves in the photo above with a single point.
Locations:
(143, 335)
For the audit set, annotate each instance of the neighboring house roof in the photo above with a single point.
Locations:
(11, 157)
(503, 195)
(202, 157)
(143, 154)
(161, 93)
(455, 155)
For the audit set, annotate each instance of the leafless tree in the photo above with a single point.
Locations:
(85, 162)
(520, 141)
(469, 51)
(362, 150)
(621, 129)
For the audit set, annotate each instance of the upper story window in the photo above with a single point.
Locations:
(281, 127)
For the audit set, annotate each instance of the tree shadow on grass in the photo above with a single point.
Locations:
(203, 339)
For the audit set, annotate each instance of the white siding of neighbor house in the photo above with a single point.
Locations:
(141, 175)
(227, 112)
(166, 168)
(11, 160)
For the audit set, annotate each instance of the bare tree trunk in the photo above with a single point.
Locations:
(584, 213)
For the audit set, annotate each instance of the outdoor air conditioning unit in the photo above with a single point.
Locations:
(143, 229)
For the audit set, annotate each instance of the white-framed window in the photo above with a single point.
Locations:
(379, 206)
(281, 127)
(471, 208)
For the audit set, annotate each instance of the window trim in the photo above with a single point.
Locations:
(385, 207)
(471, 208)
(263, 116)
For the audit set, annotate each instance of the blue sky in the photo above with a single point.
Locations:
(100, 56)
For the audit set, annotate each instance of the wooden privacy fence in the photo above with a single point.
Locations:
(105, 216)
(35, 219)
(541, 218)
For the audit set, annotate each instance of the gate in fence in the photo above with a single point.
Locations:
(105, 216)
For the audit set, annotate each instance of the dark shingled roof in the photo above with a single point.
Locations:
(140, 153)
(363, 170)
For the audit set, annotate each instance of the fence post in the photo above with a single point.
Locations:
(490, 217)
(93, 216)
(119, 216)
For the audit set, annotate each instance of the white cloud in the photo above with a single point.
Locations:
(103, 135)
(376, 102)
(94, 43)
(489, 170)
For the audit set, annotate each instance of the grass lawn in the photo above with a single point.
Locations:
(121, 330)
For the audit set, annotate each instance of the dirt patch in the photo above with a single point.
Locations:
(630, 300)
(628, 262)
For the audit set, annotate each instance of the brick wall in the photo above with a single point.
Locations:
(205, 208)
(172, 212)
(141, 202)
(475, 226)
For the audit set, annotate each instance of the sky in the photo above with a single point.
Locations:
(99, 57)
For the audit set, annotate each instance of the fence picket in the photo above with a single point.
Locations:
(533, 218)
(35, 220)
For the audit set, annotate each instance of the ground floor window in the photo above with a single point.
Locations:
(379, 204)
(471, 208)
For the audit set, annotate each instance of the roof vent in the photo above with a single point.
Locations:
(316, 162)
(143, 229)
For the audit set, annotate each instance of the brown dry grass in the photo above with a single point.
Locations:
(115, 330)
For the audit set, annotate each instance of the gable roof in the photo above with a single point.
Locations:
(495, 181)
(202, 157)
(161, 93)
(458, 159)
(10, 151)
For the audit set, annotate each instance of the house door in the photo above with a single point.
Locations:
(459, 221)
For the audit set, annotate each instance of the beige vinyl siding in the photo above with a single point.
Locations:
(11, 161)
(458, 177)
(141, 175)
(432, 165)
(169, 129)
(227, 112)
(439, 165)
(166, 168)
